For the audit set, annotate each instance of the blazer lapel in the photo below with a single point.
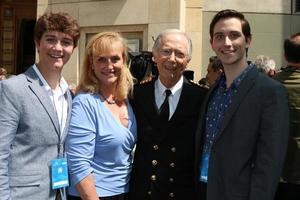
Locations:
(200, 128)
(149, 101)
(37, 88)
(243, 89)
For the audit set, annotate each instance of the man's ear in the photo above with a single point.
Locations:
(220, 71)
(154, 55)
(153, 59)
(37, 42)
(248, 41)
(188, 60)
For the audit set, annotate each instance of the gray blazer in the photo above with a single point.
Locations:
(30, 138)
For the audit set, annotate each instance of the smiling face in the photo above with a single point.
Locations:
(229, 42)
(54, 49)
(107, 65)
(171, 58)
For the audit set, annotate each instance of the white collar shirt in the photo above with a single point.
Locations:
(57, 97)
(160, 95)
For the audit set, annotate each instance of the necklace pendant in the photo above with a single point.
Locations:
(110, 101)
(107, 100)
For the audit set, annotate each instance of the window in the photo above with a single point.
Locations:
(296, 6)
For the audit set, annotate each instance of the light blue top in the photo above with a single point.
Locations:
(98, 143)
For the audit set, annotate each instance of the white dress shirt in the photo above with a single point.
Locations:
(160, 95)
(57, 97)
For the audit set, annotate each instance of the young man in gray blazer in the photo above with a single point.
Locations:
(34, 113)
(243, 131)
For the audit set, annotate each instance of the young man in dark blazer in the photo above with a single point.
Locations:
(164, 157)
(242, 136)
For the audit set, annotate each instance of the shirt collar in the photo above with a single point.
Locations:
(237, 81)
(161, 88)
(62, 83)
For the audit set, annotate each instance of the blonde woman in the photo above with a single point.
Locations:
(102, 130)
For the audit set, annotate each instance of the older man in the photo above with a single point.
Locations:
(166, 110)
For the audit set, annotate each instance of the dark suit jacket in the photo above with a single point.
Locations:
(290, 78)
(247, 157)
(164, 157)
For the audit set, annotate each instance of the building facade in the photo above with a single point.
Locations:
(140, 21)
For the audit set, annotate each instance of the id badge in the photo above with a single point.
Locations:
(59, 173)
(204, 168)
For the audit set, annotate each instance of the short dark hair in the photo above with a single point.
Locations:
(216, 63)
(292, 48)
(62, 22)
(228, 13)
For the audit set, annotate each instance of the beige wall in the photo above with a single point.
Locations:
(193, 26)
(268, 6)
(270, 21)
(146, 17)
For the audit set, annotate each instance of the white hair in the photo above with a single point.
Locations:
(157, 42)
(264, 63)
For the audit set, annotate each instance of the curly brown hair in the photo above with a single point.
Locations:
(62, 22)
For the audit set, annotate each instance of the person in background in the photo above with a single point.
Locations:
(214, 70)
(189, 75)
(72, 88)
(34, 115)
(203, 83)
(3, 73)
(289, 186)
(266, 65)
(102, 130)
(240, 144)
(166, 109)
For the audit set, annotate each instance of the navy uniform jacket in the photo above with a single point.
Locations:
(164, 157)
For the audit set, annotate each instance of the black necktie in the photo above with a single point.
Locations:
(164, 110)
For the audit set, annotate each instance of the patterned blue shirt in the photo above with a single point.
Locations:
(219, 102)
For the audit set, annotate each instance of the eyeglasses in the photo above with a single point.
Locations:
(169, 52)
